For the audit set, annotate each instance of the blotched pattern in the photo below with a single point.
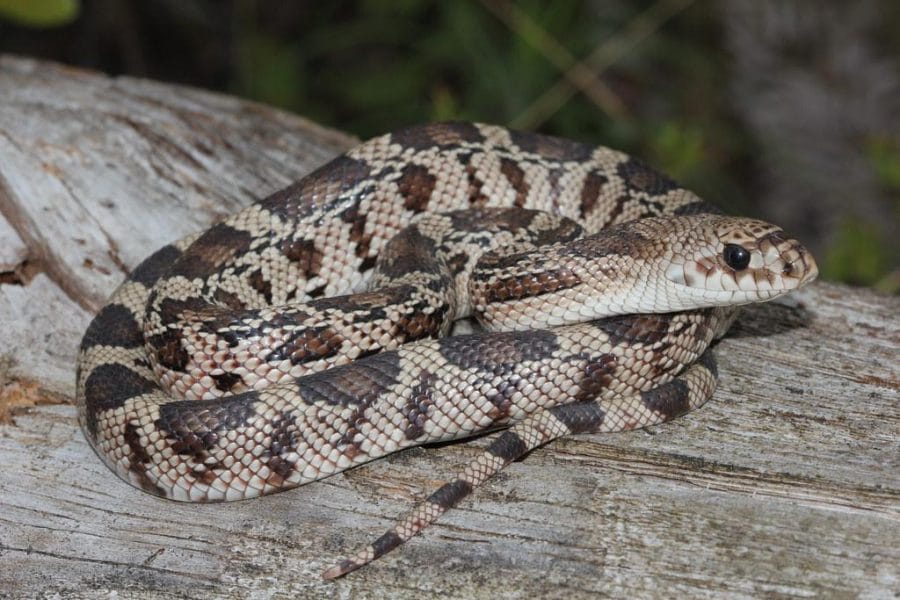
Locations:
(249, 358)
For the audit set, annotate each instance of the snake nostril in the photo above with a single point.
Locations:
(788, 269)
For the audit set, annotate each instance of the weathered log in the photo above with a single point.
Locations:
(786, 484)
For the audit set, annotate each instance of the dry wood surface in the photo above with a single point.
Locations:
(787, 484)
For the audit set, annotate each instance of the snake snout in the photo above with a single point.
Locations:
(788, 260)
(804, 268)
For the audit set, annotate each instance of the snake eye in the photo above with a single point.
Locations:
(736, 257)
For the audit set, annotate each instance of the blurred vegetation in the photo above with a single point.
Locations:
(657, 85)
(39, 13)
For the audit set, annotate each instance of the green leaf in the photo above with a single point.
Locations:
(443, 104)
(268, 70)
(858, 255)
(884, 154)
(40, 13)
(678, 148)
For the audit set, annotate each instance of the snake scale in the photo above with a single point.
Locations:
(306, 334)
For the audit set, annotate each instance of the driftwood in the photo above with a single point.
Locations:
(786, 484)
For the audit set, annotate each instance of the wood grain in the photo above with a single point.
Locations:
(787, 484)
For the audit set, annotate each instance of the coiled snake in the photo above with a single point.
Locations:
(249, 358)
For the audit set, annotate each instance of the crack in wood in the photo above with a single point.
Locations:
(22, 273)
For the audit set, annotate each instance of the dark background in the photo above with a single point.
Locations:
(784, 109)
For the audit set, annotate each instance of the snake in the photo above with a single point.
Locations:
(308, 333)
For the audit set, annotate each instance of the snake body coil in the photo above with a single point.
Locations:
(250, 358)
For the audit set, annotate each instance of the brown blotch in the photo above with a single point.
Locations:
(591, 191)
(305, 254)
(566, 230)
(421, 325)
(308, 344)
(367, 264)
(531, 285)
(282, 441)
(618, 209)
(450, 493)
(155, 266)
(554, 178)
(138, 452)
(359, 384)
(108, 387)
(457, 263)
(515, 175)
(638, 176)
(205, 474)
(502, 401)
(384, 544)
(476, 194)
(583, 417)
(229, 300)
(139, 460)
(193, 427)
(416, 408)
(621, 241)
(508, 447)
(670, 400)
(550, 147)
(416, 184)
(217, 319)
(215, 248)
(357, 221)
(172, 311)
(325, 185)
(635, 329)
(114, 325)
(408, 251)
(482, 219)
(262, 285)
(316, 292)
(226, 381)
(437, 134)
(280, 469)
(597, 375)
(169, 351)
(498, 353)
(350, 441)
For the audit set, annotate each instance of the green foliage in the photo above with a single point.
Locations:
(884, 154)
(40, 13)
(372, 66)
(859, 255)
(678, 148)
(267, 69)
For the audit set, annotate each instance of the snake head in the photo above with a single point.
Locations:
(734, 260)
